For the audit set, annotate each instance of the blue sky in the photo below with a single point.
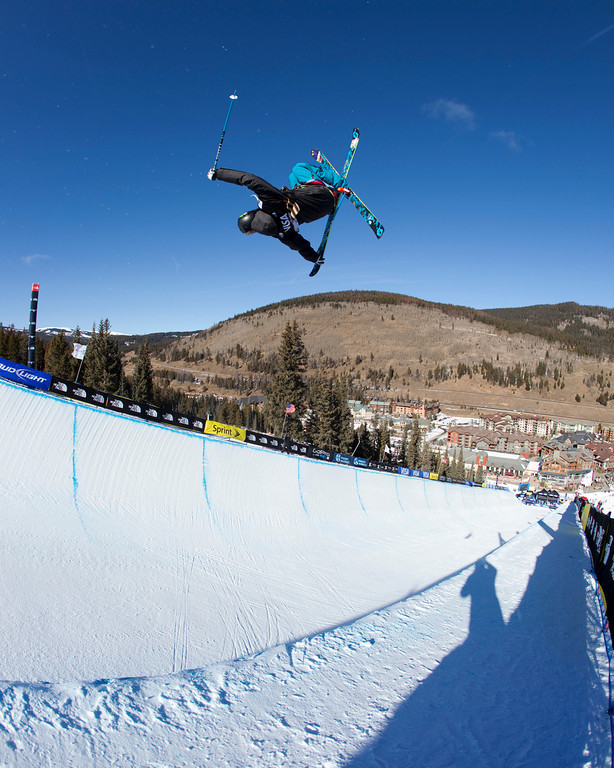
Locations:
(486, 151)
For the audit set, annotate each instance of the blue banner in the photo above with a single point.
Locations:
(24, 375)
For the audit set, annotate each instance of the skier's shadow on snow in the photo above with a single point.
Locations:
(512, 694)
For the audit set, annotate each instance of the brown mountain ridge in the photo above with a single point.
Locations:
(549, 359)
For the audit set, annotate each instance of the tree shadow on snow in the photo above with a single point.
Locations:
(521, 694)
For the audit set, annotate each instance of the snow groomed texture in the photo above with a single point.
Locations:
(132, 549)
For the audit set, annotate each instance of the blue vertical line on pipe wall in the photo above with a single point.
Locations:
(206, 490)
(300, 490)
(396, 488)
(362, 506)
(75, 482)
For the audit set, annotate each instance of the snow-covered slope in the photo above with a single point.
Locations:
(133, 549)
(126, 547)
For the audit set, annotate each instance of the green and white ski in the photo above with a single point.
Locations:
(371, 219)
(333, 213)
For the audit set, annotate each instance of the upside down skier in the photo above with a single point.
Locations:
(313, 193)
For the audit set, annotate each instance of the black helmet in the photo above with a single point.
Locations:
(245, 222)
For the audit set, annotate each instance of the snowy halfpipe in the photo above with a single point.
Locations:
(132, 549)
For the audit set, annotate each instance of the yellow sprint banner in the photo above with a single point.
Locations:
(224, 430)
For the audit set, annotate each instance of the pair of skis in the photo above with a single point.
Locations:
(367, 215)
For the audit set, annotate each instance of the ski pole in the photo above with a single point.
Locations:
(233, 98)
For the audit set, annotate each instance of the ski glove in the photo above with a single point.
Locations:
(211, 175)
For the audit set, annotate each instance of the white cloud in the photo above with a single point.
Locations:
(450, 111)
(598, 35)
(508, 138)
(34, 257)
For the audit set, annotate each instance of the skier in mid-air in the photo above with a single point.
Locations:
(313, 194)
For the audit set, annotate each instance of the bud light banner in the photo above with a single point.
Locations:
(24, 375)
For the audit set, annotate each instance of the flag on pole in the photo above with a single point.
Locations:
(290, 408)
(78, 350)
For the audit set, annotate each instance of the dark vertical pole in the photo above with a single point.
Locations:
(32, 334)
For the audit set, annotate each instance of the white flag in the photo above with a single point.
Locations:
(78, 350)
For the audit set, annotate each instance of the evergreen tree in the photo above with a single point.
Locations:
(58, 357)
(125, 385)
(317, 423)
(461, 466)
(376, 439)
(404, 444)
(104, 368)
(142, 380)
(252, 418)
(435, 461)
(427, 458)
(288, 387)
(412, 453)
(90, 375)
(453, 466)
(40, 347)
(344, 425)
(363, 443)
(114, 372)
(13, 345)
(229, 412)
(444, 465)
(329, 422)
(457, 466)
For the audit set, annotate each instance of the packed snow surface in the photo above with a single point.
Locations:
(172, 599)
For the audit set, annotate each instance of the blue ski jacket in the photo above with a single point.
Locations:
(303, 173)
